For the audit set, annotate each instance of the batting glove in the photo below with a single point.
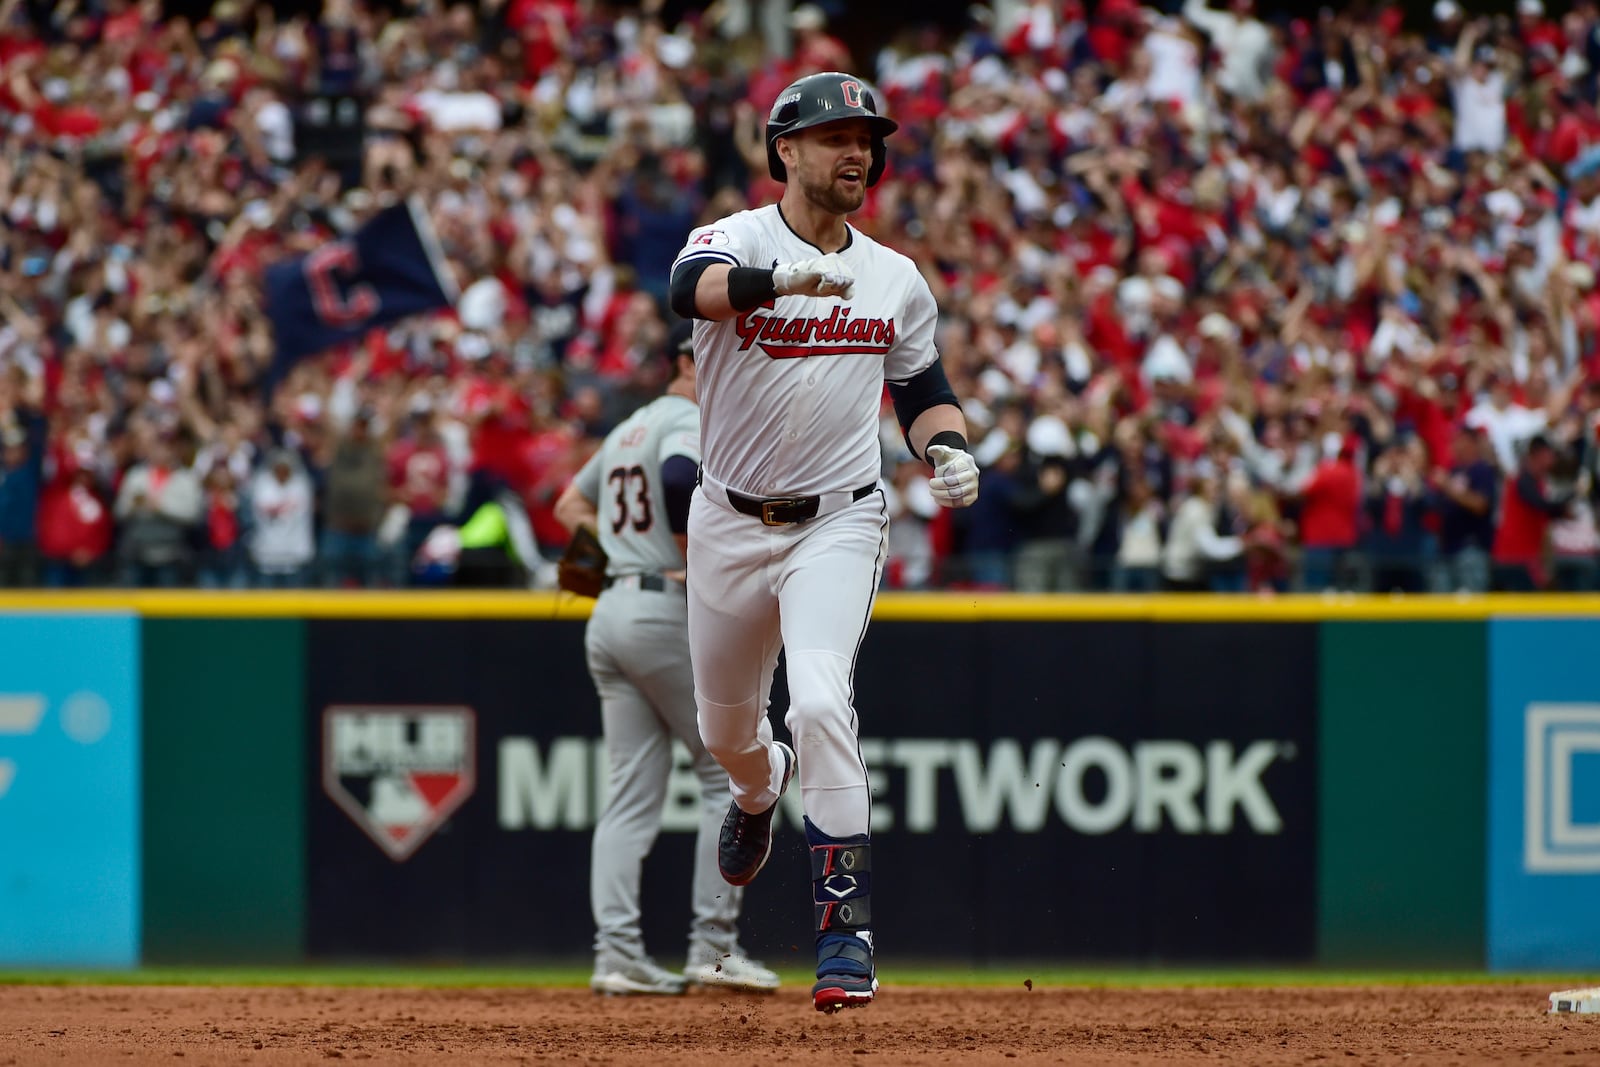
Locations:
(955, 476)
(824, 276)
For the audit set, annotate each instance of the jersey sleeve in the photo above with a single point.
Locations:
(730, 240)
(913, 351)
(588, 477)
(682, 438)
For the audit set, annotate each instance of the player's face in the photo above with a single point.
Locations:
(831, 164)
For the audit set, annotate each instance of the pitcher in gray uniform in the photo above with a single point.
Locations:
(634, 494)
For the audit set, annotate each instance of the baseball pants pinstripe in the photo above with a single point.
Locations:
(807, 588)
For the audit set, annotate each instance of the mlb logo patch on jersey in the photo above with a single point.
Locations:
(399, 772)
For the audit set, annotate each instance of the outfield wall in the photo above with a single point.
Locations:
(1146, 779)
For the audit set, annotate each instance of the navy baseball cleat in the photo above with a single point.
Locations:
(841, 894)
(746, 840)
(846, 977)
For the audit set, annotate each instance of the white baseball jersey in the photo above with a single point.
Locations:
(789, 392)
(623, 479)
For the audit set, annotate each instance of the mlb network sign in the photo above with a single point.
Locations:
(398, 772)
(1091, 785)
(1544, 794)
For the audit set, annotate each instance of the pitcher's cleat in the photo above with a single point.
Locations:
(746, 840)
(731, 971)
(617, 977)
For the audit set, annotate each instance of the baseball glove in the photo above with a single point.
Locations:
(582, 569)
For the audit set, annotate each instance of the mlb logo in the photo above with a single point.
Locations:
(399, 772)
(1561, 783)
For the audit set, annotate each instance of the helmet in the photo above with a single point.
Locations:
(680, 342)
(822, 98)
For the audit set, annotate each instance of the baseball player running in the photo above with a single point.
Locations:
(634, 493)
(800, 320)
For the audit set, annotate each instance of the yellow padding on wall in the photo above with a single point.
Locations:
(898, 607)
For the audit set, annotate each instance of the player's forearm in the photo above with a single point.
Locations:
(718, 291)
(942, 418)
(711, 300)
(573, 510)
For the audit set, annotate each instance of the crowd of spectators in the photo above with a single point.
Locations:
(1232, 302)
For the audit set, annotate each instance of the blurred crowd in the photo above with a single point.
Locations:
(1232, 301)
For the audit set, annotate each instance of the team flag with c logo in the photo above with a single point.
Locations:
(389, 269)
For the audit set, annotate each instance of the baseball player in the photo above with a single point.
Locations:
(800, 320)
(634, 494)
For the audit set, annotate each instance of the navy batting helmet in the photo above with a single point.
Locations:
(680, 342)
(819, 98)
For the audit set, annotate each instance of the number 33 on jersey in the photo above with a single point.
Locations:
(624, 480)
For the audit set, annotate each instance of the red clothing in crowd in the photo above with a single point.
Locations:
(1332, 504)
(819, 52)
(126, 26)
(222, 520)
(548, 460)
(544, 27)
(1104, 332)
(71, 120)
(1525, 513)
(74, 524)
(421, 474)
(1431, 422)
(501, 413)
(1088, 247)
(14, 46)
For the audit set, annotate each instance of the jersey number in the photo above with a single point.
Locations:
(632, 493)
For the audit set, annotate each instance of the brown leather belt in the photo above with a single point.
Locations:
(784, 510)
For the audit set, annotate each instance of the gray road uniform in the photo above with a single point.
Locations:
(638, 655)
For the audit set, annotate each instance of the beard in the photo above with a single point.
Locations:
(832, 197)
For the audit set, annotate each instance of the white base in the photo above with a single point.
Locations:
(1576, 1002)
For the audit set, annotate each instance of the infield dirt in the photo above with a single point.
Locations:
(461, 1027)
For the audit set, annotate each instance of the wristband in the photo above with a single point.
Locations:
(750, 287)
(948, 438)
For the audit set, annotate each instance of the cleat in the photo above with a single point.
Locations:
(746, 840)
(846, 976)
(837, 992)
(615, 977)
(732, 971)
(841, 894)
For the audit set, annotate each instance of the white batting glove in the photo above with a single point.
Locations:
(955, 476)
(824, 276)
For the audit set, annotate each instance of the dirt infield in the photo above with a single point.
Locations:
(462, 1027)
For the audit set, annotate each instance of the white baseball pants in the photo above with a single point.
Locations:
(807, 588)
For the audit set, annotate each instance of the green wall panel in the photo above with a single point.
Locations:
(1403, 762)
(224, 790)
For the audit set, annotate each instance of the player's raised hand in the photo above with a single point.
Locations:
(955, 476)
(824, 276)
